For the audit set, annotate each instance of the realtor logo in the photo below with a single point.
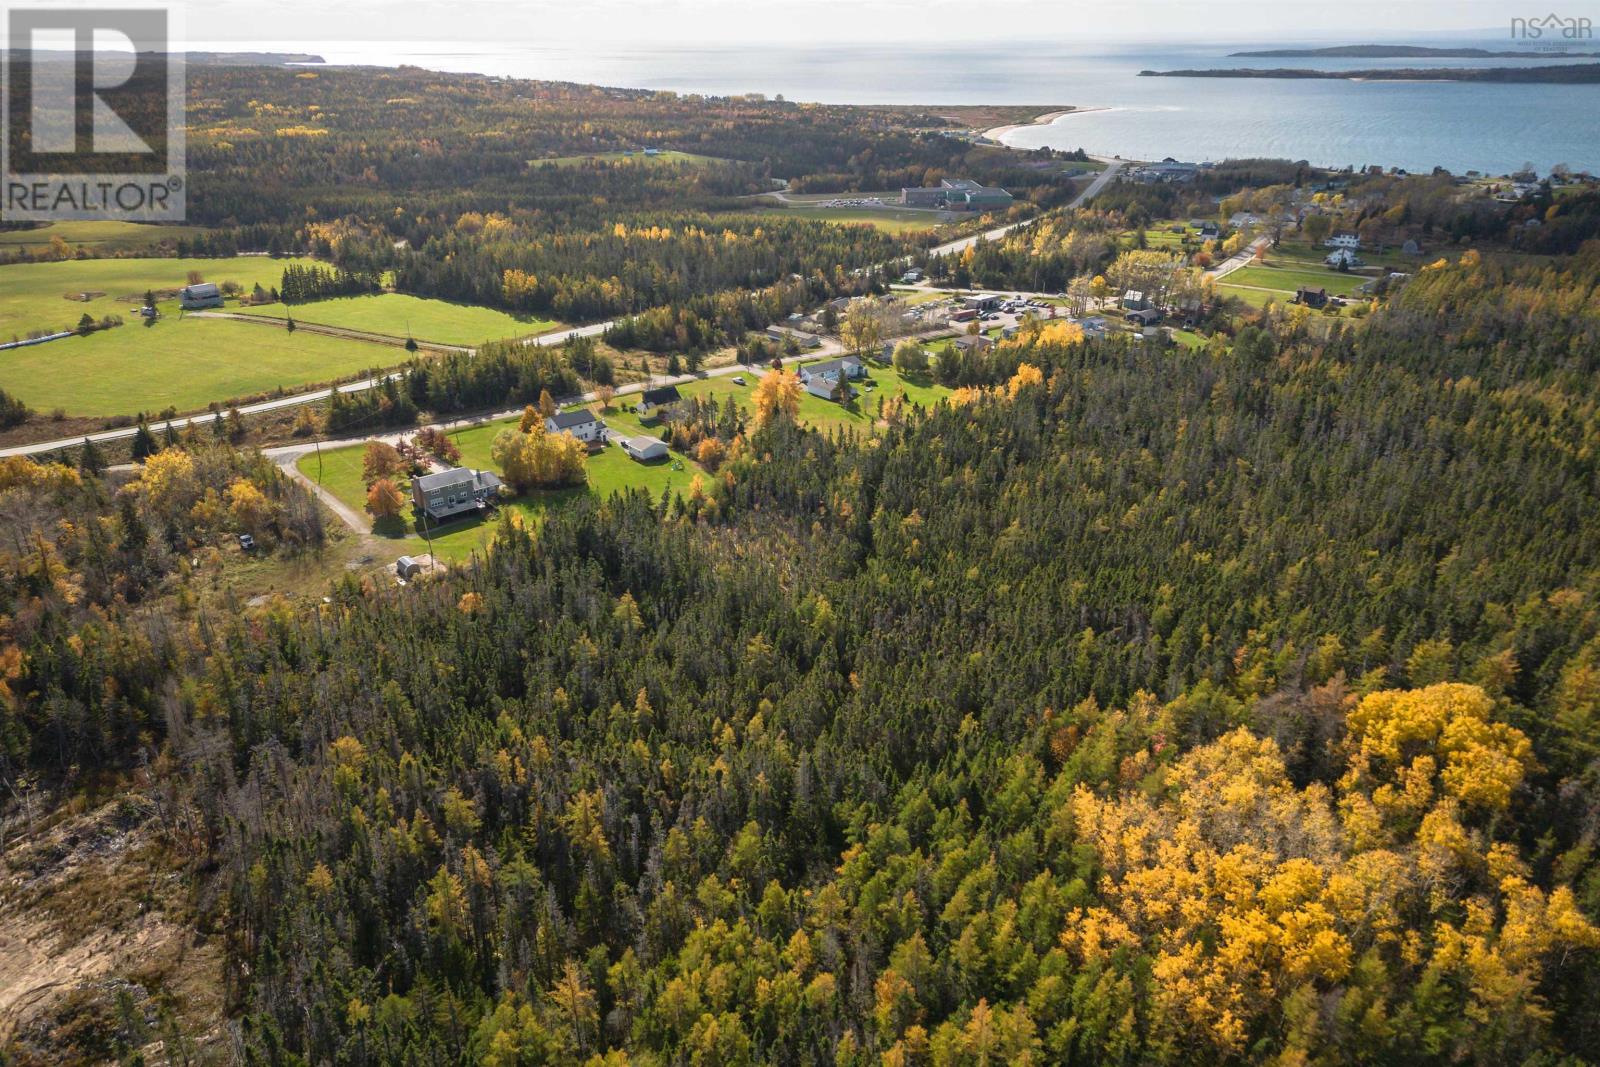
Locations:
(1552, 28)
(92, 116)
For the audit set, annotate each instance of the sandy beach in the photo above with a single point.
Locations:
(999, 132)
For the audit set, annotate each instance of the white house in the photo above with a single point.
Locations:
(832, 369)
(645, 449)
(1350, 241)
(582, 424)
(1342, 257)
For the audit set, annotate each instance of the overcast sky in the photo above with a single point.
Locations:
(626, 22)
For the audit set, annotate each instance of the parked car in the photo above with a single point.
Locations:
(247, 542)
(738, 379)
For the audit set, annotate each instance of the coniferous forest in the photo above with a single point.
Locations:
(1144, 704)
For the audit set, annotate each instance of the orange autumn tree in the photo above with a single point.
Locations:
(384, 499)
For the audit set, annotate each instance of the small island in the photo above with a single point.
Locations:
(1401, 51)
(1563, 74)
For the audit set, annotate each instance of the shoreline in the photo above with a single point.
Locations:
(998, 134)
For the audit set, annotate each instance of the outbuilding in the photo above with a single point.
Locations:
(645, 449)
(651, 401)
(200, 295)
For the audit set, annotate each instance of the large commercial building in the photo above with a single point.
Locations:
(957, 194)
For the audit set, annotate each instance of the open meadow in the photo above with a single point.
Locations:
(100, 235)
(402, 315)
(180, 363)
(34, 296)
(889, 219)
(1288, 280)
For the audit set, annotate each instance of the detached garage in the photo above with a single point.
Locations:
(645, 449)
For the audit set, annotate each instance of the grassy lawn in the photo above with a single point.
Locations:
(1158, 238)
(888, 219)
(104, 236)
(1297, 255)
(400, 315)
(340, 473)
(181, 363)
(920, 296)
(1288, 281)
(1256, 298)
(32, 295)
(609, 470)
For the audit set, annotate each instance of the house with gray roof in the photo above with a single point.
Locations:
(455, 492)
(831, 370)
(582, 424)
(651, 401)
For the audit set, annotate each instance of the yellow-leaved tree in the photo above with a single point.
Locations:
(535, 459)
(1253, 899)
(778, 393)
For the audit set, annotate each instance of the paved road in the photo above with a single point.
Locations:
(1092, 191)
(1239, 259)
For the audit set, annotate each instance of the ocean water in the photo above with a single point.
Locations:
(1415, 125)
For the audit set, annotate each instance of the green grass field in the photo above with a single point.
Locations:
(1297, 255)
(32, 295)
(609, 471)
(400, 315)
(1288, 281)
(888, 219)
(107, 236)
(181, 363)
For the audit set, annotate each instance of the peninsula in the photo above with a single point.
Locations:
(1567, 73)
(1401, 51)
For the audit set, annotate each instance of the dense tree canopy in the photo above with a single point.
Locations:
(1145, 705)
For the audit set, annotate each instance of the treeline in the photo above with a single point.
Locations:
(267, 143)
(500, 374)
(303, 284)
(704, 322)
(629, 266)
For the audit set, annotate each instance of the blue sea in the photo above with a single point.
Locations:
(1415, 125)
